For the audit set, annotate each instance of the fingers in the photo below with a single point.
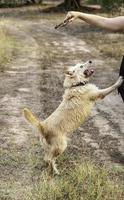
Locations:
(71, 16)
(71, 19)
(68, 16)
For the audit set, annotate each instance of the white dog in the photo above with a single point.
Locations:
(78, 100)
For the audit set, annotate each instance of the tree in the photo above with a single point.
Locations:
(71, 4)
(108, 4)
(10, 3)
(33, 1)
(75, 4)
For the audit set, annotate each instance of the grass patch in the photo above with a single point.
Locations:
(83, 182)
(6, 46)
(109, 45)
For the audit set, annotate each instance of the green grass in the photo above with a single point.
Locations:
(78, 180)
(83, 182)
(6, 46)
(108, 44)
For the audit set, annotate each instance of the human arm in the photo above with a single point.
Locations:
(113, 24)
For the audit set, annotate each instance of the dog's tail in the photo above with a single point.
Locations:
(32, 119)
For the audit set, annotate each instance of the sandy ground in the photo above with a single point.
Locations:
(34, 79)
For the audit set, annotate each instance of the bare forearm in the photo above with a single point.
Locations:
(114, 24)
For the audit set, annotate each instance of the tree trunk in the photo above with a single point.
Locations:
(33, 1)
(71, 4)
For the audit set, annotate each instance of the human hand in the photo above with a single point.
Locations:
(71, 16)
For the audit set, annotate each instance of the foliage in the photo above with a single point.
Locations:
(6, 46)
(11, 3)
(84, 182)
(108, 4)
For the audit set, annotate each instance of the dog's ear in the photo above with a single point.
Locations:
(69, 72)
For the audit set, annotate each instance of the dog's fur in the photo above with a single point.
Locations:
(78, 100)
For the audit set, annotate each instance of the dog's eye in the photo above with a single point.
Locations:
(81, 66)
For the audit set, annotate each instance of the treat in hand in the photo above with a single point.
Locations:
(71, 16)
(62, 24)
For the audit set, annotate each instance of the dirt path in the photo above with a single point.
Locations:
(34, 80)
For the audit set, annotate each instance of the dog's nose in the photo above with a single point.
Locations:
(90, 61)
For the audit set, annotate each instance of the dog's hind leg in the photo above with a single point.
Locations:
(54, 167)
(54, 151)
(50, 158)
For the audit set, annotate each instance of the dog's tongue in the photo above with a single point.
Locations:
(88, 72)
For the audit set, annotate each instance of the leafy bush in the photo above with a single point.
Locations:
(108, 4)
(12, 3)
(6, 46)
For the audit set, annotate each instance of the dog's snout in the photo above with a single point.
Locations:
(90, 62)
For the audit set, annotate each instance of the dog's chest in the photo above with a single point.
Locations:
(71, 113)
(77, 108)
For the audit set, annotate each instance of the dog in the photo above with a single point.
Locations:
(78, 100)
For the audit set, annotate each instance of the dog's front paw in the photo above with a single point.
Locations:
(119, 81)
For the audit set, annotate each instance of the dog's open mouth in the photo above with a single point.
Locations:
(88, 72)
